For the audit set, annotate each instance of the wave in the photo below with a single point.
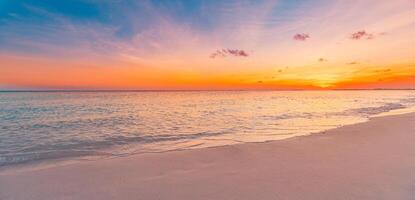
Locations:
(79, 148)
(51, 131)
(369, 111)
(287, 116)
(33, 157)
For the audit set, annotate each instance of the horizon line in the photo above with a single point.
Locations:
(193, 90)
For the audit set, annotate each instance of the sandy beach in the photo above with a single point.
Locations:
(207, 100)
(372, 160)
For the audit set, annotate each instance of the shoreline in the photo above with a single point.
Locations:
(58, 162)
(44, 164)
(281, 168)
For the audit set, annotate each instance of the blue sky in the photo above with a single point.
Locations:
(41, 20)
(241, 40)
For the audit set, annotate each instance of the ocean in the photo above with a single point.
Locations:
(36, 127)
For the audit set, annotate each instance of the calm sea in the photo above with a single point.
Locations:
(44, 126)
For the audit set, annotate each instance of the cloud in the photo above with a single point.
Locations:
(383, 70)
(322, 60)
(301, 36)
(362, 35)
(230, 52)
(352, 63)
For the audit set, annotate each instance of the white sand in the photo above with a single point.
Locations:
(373, 160)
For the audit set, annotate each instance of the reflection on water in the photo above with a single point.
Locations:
(44, 126)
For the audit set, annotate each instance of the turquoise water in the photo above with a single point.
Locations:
(45, 126)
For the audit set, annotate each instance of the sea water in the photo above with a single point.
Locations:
(48, 126)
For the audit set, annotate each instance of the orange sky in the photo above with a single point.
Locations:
(233, 45)
(36, 73)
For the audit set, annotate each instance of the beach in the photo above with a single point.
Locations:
(207, 100)
(370, 160)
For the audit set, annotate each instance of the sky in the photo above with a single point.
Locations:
(212, 44)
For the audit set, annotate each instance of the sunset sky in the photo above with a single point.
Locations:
(191, 44)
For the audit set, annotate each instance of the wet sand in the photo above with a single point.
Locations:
(372, 160)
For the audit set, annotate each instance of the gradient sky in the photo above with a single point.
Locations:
(191, 44)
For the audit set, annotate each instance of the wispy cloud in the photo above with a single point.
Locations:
(229, 52)
(362, 35)
(171, 36)
(383, 70)
(322, 60)
(301, 36)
